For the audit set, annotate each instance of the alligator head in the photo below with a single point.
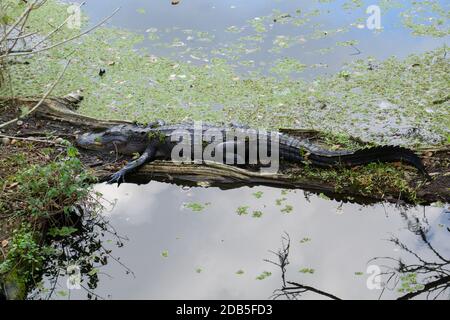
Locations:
(124, 139)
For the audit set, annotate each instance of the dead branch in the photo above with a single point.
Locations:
(31, 6)
(282, 255)
(295, 289)
(436, 274)
(63, 41)
(298, 288)
(55, 30)
(33, 140)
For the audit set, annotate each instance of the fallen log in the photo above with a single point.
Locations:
(57, 117)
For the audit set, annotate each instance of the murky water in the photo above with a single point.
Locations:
(253, 35)
(197, 243)
(207, 243)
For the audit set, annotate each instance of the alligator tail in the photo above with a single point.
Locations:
(369, 155)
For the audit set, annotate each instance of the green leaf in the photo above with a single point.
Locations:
(72, 152)
(304, 240)
(306, 270)
(257, 214)
(62, 232)
(196, 206)
(94, 271)
(23, 111)
(62, 293)
(258, 194)
(287, 209)
(242, 210)
(264, 275)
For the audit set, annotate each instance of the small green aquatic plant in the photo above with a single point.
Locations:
(242, 210)
(307, 270)
(409, 283)
(196, 206)
(258, 194)
(287, 208)
(305, 240)
(264, 275)
(257, 214)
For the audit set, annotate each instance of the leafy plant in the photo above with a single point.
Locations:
(52, 188)
(61, 232)
(48, 193)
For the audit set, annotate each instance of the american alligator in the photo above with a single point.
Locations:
(156, 141)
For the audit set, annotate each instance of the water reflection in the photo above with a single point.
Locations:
(197, 243)
(424, 273)
(215, 247)
(78, 259)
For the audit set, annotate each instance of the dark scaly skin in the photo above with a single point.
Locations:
(154, 141)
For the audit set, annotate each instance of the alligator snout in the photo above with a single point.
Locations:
(89, 141)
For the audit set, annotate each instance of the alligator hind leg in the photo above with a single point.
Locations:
(119, 176)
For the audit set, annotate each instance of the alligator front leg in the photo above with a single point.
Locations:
(119, 176)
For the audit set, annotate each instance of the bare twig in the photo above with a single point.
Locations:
(54, 30)
(24, 14)
(64, 41)
(357, 51)
(282, 255)
(296, 289)
(435, 274)
(27, 35)
(33, 140)
(297, 286)
(20, 31)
